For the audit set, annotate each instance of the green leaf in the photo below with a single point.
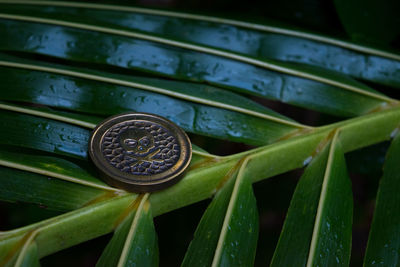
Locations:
(43, 134)
(40, 113)
(135, 241)
(83, 120)
(28, 256)
(370, 21)
(45, 191)
(318, 226)
(290, 83)
(384, 238)
(200, 183)
(221, 112)
(143, 88)
(80, 120)
(51, 166)
(67, 229)
(227, 233)
(259, 41)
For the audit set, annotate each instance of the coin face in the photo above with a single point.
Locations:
(140, 152)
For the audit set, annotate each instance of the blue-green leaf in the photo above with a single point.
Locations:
(290, 83)
(260, 41)
(43, 134)
(200, 109)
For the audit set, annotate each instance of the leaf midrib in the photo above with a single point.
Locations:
(228, 215)
(132, 230)
(348, 130)
(321, 202)
(25, 247)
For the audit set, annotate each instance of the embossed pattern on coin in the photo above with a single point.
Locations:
(140, 152)
(140, 148)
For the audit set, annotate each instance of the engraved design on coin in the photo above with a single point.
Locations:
(140, 148)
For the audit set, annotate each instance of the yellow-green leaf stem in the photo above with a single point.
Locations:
(201, 183)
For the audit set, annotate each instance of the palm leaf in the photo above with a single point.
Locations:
(227, 233)
(134, 241)
(383, 242)
(261, 41)
(317, 230)
(258, 125)
(105, 62)
(286, 82)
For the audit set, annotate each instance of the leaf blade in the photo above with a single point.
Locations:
(249, 75)
(265, 41)
(43, 134)
(317, 230)
(28, 255)
(229, 226)
(134, 242)
(383, 241)
(42, 190)
(253, 124)
(50, 166)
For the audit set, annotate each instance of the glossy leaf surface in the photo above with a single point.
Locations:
(134, 242)
(260, 41)
(227, 233)
(253, 123)
(45, 191)
(50, 165)
(63, 69)
(188, 64)
(384, 238)
(43, 134)
(318, 225)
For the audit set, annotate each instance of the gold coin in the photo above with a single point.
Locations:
(140, 152)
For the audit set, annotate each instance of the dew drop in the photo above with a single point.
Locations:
(52, 89)
(307, 160)
(70, 44)
(394, 133)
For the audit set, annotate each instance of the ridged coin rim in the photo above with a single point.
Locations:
(139, 183)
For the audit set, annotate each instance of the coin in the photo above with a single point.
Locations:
(140, 152)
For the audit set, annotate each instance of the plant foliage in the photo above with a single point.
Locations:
(65, 66)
